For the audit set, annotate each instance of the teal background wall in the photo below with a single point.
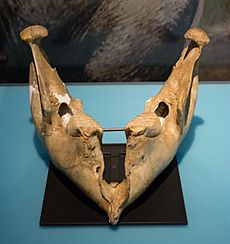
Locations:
(203, 159)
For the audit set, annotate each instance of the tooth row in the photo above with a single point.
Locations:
(147, 124)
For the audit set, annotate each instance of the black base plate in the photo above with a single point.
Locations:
(161, 203)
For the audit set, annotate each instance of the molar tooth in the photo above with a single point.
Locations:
(146, 123)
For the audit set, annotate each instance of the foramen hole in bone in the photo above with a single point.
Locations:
(64, 109)
(162, 110)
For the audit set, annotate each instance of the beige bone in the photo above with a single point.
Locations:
(73, 138)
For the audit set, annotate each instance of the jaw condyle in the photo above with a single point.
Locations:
(73, 138)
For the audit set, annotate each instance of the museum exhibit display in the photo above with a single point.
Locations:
(74, 139)
(105, 135)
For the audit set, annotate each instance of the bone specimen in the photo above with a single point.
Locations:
(73, 138)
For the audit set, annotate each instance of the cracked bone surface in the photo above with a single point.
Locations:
(73, 138)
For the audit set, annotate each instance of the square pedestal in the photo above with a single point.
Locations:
(161, 203)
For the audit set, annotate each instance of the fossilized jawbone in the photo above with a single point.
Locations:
(73, 138)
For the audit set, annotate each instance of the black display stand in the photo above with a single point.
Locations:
(161, 203)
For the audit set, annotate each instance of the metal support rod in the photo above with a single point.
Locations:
(113, 129)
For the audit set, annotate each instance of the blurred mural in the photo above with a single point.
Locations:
(114, 40)
(215, 61)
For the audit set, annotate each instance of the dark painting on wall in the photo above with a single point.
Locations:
(113, 40)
